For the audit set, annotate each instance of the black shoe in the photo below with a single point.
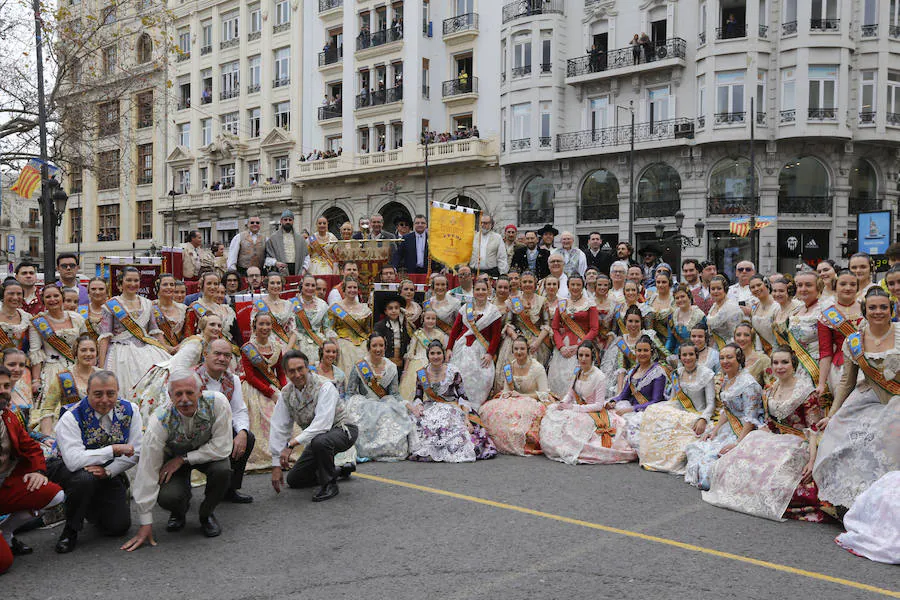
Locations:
(176, 522)
(210, 526)
(327, 492)
(346, 470)
(20, 548)
(67, 541)
(235, 497)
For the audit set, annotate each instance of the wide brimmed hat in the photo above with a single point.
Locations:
(651, 249)
(548, 228)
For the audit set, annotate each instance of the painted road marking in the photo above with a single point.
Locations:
(635, 534)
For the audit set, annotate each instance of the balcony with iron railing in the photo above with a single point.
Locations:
(626, 61)
(732, 205)
(894, 31)
(545, 141)
(276, 83)
(459, 87)
(615, 137)
(331, 111)
(761, 119)
(829, 25)
(805, 205)
(326, 5)
(461, 24)
(529, 216)
(145, 178)
(603, 211)
(822, 114)
(365, 40)
(205, 50)
(234, 196)
(254, 35)
(657, 209)
(892, 119)
(729, 118)
(788, 28)
(379, 97)
(281, 27)
(788, 116)
(517, 72)
(763, 31)
(229, 43)
(230, 93)
(858, 205)
(520, 144)
(868, 31)
(253, 88)
(530, 8)
(731, 31)
(331, 56)
(867, 117)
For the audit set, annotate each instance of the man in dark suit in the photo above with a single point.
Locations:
(531, 258)
(412, 254)
(596, 256)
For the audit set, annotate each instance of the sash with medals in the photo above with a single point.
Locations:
(508, 375)
(854, 341)
(85, 312)
(164, 324)
(839, 321)
(303, 318)
(521, 313)
(602, 421)
(442, 324)
(259, 362)
(263, 309)
(57, 343)
(348, 320)
(470, 321)
(422, 338)
(68, 388)
(568, 321)
(368, 376)
(130, 325)
(679, 394)
(809, 363)
(318, 250)
(6, 341)
(435, 397)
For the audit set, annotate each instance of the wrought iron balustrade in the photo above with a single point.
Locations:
(598, 61)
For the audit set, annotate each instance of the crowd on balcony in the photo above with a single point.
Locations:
(462, 133)
(321, 155)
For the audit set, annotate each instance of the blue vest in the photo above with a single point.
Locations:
(93, 435)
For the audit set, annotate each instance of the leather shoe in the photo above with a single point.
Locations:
(20, 548)
(176, 522)
(67, 541)
(345, 470)
(210, 525)
(327, 492)
(235, 497)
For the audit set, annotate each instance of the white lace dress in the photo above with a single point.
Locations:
(721, 321)
(384, 423)
(467, 355)
(128, 357)
(873, 522)
(39, 351)
(805, 329)
(761, 319)
(320, 323)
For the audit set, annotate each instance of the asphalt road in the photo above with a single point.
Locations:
(381, 540)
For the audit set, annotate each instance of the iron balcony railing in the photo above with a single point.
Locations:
(788, 116)
(761, 119)
(805, 205)
(379, 38)
(231, 93)
(621, 135)
(459, 86)
(868, 31)
(892, 119)
(520, 144)
(329, 4)
(466, 22)
(656, 209)
(331, 56)
(229, 43)
(379, 97)
(789, 28)
(701, 38)
(205, 50)
(546, 67)
(729, 118)
(281, 27)
(858, 205)
(732, 31)
(281, 82)
(894, 31)
(254, 35)
(521, 71)
(822, 114)
(545, 141)
(528, 8)
(867, 117)
(252, 88)
(626, 57)
(701, 122)
(824, 24)
(598, 212)
(536, 215)
(763, 31)
(183, 56)
(330, 111)
(732, 205)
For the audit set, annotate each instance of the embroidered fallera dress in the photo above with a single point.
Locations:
(383, 421)
(52, 360)
(514, 422)
(639, 393)
(584, 314)
(319, 320)
(283, 314)
(873, 522)
(659, 319)
(417, 358)
(151, 390)
(680, 328)
(468, 350)
(722, 320)
(260, 385)
(351, 343)
(175, 327)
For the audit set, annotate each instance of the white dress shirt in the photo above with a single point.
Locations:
(240, 418)
(234, 249)
(489, 252)
(420, 249)
(741, 293)
(145, 488)
(282, 424)
(76, 456)
(575, 260)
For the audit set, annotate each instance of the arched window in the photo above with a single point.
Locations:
(144, 49)
(336, 217)
(599, 196)
(392, 211)
(729, 188)
(658, 192)
(537, 201)
(863, 188)
(467, 202)
(803, 188)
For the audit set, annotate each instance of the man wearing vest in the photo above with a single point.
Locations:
(193, 432)
(313, 403)
(286, 249)
(99, 439)
(248, 249)
(216, 377)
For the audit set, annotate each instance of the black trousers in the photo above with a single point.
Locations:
(316, 464)
(240, 463)
(175, 494)
(103, 502)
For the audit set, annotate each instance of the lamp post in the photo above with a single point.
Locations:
(48, 218)
(684, 240)
(172, 195)
(630, 108)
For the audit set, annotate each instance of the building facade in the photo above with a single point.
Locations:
(20, 226)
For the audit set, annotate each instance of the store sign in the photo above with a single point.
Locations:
(873, 232)
(809, 244)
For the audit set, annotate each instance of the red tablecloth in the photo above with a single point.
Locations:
(293, 282)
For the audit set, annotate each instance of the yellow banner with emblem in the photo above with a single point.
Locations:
(451, 233)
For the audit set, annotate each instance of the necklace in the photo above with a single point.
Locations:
(879, 340)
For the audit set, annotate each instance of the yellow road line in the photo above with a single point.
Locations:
(635, 534)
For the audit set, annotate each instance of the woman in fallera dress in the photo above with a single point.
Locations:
(741, 412)
(321, 258)
(645, 385)
(209, 303)
(513, 417)
(474, 341)
(412, 310)
(769, 474)
(724, 314)
(783, 290)
(261, 380)
(762, 313)
(660, 304)
(327, 366)
(631, 292)
(683, 319)
(605, 314)
(375, 405)
(581, 429)
(92, 312)
(69, 386)
(313, 321)
(170, 315)
(50, 339)
(862, 265)
(707, 356)
(827, 270)
(529, 318)
(620, 359)
(803, 326)
(445, 305)
(838, 320)
(351, 326)
(668, 427)
(574, 322)
(507, 334)
(22, 402)
(417, 355)
(14, 321)
(549, 285)
(858, 443)
(284, 324)
(447, 427)
(755, 362)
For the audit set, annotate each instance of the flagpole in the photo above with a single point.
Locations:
(48, 217)
(753, 235)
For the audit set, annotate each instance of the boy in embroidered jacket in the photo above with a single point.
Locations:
(99, 439)
(393, 327)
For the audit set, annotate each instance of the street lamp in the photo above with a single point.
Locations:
(59, 198)
(685, 241)
(172, 195)
(630, 108)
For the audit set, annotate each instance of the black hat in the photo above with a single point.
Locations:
(548, 228)
(651, 249)
(401, 219)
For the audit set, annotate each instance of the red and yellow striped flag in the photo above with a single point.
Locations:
(740, 227)
(29, 180)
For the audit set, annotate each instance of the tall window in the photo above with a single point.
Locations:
(184, 134)
(521, 123)
(144, 49)
(144, 219)
(231, 72)
(788, 93)
(205, 132)
(253, 116)
(282, 66)
(255, 19)
(893, 98)
(206, 29)
(253, 64)
(790, 15)
(282, 168)
(660, 103)
(74, 225)
(867, 97)
(144, 102)
(824, 14)
(227, 178)
(282, 12)
(894, 16)
(230, 123)
(109, 60)
(145, 163)
(283, 115)
(183, 181)
(545, 124)
(204, 177)
(870, 12)
(230, 26)
(822, 92)
(464, 7)
(545, 52)
(252, 172)
(108, 170)
(108, 223)
(730, 97)
(522, 55)
(701, 100)
(184, 40)
(760, 106)
(702, 23)
(599, 116)
(108, 118)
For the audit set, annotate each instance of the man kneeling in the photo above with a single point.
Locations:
(193, 432)
(99, 439)
(313, 403)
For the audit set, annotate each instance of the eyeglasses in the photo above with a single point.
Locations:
(68, 266)
(744, 269)
(254, 222)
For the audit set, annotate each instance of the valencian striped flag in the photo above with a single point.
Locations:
(740, 226)
(763, 222)
(30, 178)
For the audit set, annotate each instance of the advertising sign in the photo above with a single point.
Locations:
(873, 232)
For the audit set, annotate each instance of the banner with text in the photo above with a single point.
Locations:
(451, 233)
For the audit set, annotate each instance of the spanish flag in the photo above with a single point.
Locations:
(30, 178)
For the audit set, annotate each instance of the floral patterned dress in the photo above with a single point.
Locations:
(442, 433)
(383, 421)
(51, 360)
(659, 318)
(584, 314)
(680, 328)
(743, 400)
(721, 320)
(260, 387)
(319, 320)
(513, 417)
(761, 476)
(128, 357)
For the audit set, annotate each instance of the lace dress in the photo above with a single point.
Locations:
(442, 433)
(417, 357)
(722, 320)
(873, 522)
(446, 311)
(173, 330)
(585, 433)
(743, 399)
(260, 387)
(639, 394)
(383, 421)
(321, 260)
(762, 320)
(514, 421)
(617, 361)
(659, 318)
(584, 314)
(50, 359)
(538, 320)
(667, 428)
(803, 334)
(128, 357)
(761, 476)
(780, 320)
(320, 323)
(351, 344)
(859, 445)
(151, 390)
(680, 328)
(283, 314)
(17, 332)
(468, 351)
